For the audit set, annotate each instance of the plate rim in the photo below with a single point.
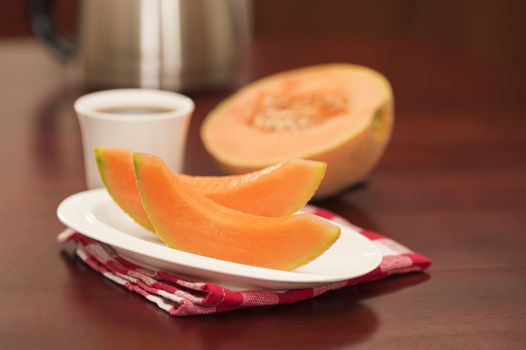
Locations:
(89, 226)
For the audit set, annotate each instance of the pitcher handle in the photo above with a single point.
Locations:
(43, 29)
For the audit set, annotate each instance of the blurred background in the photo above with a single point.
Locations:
(455, 60)
(492, 29)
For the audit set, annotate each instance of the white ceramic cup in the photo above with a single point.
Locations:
(161, 133)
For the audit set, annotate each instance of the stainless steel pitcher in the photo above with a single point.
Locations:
(167, 44)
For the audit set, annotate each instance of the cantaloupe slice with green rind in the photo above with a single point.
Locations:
(278, 190)
(186, 220)
(341, 114)
(118, 175)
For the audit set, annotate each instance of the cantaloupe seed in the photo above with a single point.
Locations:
(281, 112)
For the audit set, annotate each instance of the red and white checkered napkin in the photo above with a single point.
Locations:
(180, 297)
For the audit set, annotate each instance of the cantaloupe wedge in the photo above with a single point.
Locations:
(186, 220)
(278, 190)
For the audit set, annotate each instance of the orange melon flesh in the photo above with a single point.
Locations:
(118, 175)
(278, 190)
(337, 113)
(186, 220)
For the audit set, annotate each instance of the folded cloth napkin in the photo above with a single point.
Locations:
(181, 297)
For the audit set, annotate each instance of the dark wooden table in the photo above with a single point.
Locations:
(452, 186)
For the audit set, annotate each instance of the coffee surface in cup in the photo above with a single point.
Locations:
(135, 110)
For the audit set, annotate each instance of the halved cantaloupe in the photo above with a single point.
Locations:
(186, 220)
(279, 190)
(341, 114)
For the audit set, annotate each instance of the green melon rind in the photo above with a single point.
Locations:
(318, 174)
(313, 255)
(156, 227)
(244, 164)
(164, 236)
(99, 157)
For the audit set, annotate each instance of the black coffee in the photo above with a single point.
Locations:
(135, 110)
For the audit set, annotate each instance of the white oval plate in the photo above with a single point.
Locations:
(94, 214)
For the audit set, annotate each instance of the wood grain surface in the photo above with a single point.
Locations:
(452, 186)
